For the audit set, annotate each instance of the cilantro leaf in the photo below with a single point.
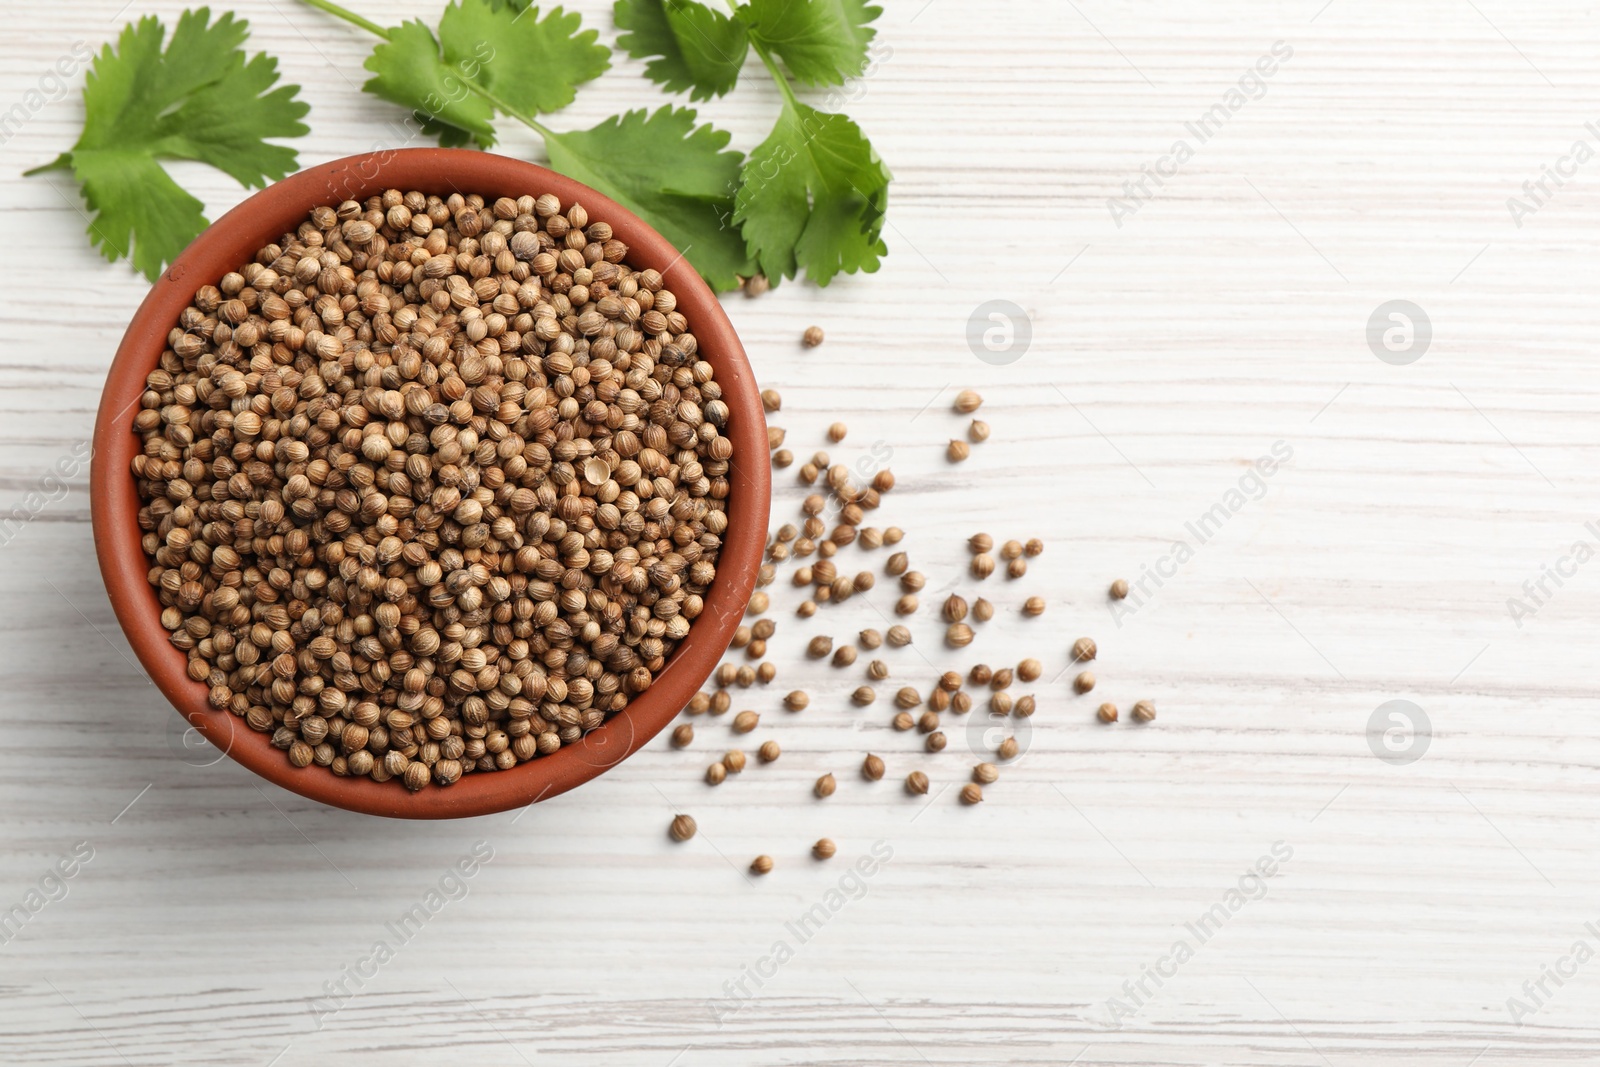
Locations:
(672, 173)
(822, 42)
(200, 99)
(813, 196)
(689, 45)
(488, 56)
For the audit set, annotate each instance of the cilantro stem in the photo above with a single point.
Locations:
(349, 16)
(771, 64)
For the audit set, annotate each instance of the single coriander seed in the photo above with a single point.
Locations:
(768, 751)
(1119, 589)
(978, 432)
(877, 670)
(1008, 749)
(682, 736)
(893, 535)
(917, 783)
(819, 646)
(683, 828)
(824, 849)
(1024, 707)
(863, 696)
(985, 774)
(906, 605)
(935, 741)
(1033, 607)
(957, 450)
(1084, 650)
(1029, 670)
(716, 773)
(798, 700)
(907, 697)
(1107, 712)
(929, 722)
(745, 721)
(812, 337)
(1083, 682)
(825, 786)
(1017, 568)
(898, 636)
(958, 635)
(733, 759)
(837, 432)
(870, 639)
(1144, 711)
(980, 674)
(872, 768)
(761, 865)
(967, 401)
(1001, 678)
(972, 793)
(979, 542)
(896, 564)
(982, 610)
(771, 399)
(903, 721)
(982, 565)
(955, 608)
(1034, 547)
(844, 655)
(766, 673)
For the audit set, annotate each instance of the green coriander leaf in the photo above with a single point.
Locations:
(526, 65)
(689, 45)
(408, 70)
(813, 196)
(822, 42)
(200, 99)
(677, 176)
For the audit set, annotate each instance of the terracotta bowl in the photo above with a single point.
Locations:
(232, 242)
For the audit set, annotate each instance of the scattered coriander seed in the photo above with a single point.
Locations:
(762, 864)
(721, 703)
(898, 636)
(872, 768)
(982, 610)
(907, 697)
(778, 553)
(758, 602)
(1107, 712)
(906, 605)
(804, 547)
(939, 700)
(1033, 607)
(782, 458)
(776, 435)
(961, 702)
(844, 655)
(903, 721)
(985, 774)
(1033, 548)
(699, 703)
(1119, 589)
(982, 565)
(821, 459)
(826, 549)
(1001, 678)
(771, 400)
(1029, 670)
(746, 721)
(798, 700)
(870, 639)
(950, 681)
(979, 542)
(972, 793)
(957, 450)
(935, 741)
(877, 670)
(763, 629)
(955, 608)
(896, 564)
(1084, 650)
(682, 828)
(812, 337)
(917, 783)
(1017, 568)
(883, 481)
(871, 537)
(824, 849)
(1011, 550)
(929, 722)
(808, 473)
(913, 581)
(727, 674)
(806, 609)
(1144, 711)
(842, 589)
(766, 575)
(819, 646)
(825, 571)
(980, 674)
(1008, 749)
(733, 759)
(756, 285)
(746, 676)
(716, 774)
(978, 432)
(958, 635)
(1000, 703)
(1083, 682)
(863, 696)
(967, 401)
(864, 581)
(766, 673)
(768, 751)
(825, 786)
(682, 735)
(837, 432)
(1024, 707)
(893, 535)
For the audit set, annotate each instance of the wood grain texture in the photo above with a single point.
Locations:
(1225, 315)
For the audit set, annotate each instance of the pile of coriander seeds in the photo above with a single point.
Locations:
(433, 486)
(831, 529)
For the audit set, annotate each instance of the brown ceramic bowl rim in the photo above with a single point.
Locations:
(231, 242)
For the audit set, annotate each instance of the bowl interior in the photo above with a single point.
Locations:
(233, 241)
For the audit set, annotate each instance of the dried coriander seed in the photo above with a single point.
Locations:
(896, 564)
(761, 865)
(782, 458)
(893, 535)
(907, 697)
(768, 752)
(978, 431)
(1083, 682)
(960, 702)
(1000, 703)
(699, 703)
(808, 473)
(746, 675)
(766, 673)
(682, 828)
(1017, 568)
(1034, 547)
(746, 721)
(1011, 550)
(950, 681)
(872, 768)
(913, 581)
(898, 636)
(733, 759)
(958, 635)
(756, 285)
(721, 703)
(1001, 678)
(955, 608)
(806, 609)
(957, 450)
(1033, 607)
(1107, 712)
(870, 639)
(825, 786)
(1029, 670)
(883, 481)
(864, 581)
(982, 610)
(1024, 706)
(798, 700)
(824, 849)
(917, 783)
(982, 565)
(682, 736)
(929, 722)
(972, 793)
(1144, 711)
(741, 637)
(1084, 650)
(939, 699)
(903, 721)
(935, 742)
(837, 432)
(1008, 749)
(906, 605)
(771, 400)
(727, 674)
(716, 774)
(819, 646)
(871, 537)
(812, 337)
(967, 401)
(863, 696)
(844, 655)
(877, 670)
(985, 774)
(979, 542)
(1119, 589)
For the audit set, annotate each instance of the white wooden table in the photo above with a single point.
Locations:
(1224, 315)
